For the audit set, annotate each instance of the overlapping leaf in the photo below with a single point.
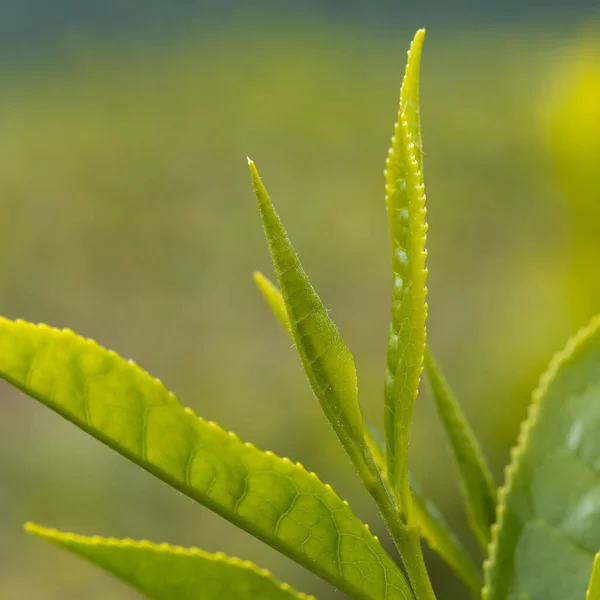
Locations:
(272, 498)
(274, 299)
(164, 572)
(477, 486)
(432, 526)
(327, 362)
(548, 528)
(405, 198)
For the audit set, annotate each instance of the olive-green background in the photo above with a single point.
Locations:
(126, 214)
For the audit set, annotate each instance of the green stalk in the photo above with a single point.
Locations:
(405, 535)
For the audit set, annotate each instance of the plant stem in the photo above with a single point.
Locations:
(406, 536)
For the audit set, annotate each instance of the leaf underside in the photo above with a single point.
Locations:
(164, 572)
(405, 199)
(548, 527)
(272, 498)
(432, 526)
(478, 489)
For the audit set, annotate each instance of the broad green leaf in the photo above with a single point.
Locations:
(164, 572)
(405, 199)
(593, 592)
(327, 362)
(432, 526)
(548, 528)
(272, 498)
(477, 485)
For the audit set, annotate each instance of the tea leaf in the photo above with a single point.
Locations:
(593, 592)
(405, 199)
(164, 572)
(272, 498)
(432, 526)
(327, 362)
(431, 523)
(274, 299)
(477, 486)
(548, 528)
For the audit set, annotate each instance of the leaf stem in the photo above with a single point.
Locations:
(405, 535)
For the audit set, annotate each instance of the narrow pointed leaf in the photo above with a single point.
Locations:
(164, 572)
(548, 528)
(274, 299)
(432, 526)
(272, 498)
(327, 362)
(593, 592)
(431, 523)
(479, 492)
(405, 198)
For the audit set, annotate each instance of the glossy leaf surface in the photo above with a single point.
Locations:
(327, 362)
(478, 489)
(164, 572)
(272, 498)
(405, 199)
(548, 527)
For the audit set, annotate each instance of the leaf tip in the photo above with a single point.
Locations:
(417, 42)
(29, 527)
(37, 530)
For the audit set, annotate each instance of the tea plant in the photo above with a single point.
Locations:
(540, 531)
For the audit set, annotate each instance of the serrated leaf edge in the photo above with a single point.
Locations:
(55, 536)
(558, 360)
(403, 149)
(163, 476)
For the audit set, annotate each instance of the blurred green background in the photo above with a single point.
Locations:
(127, 215)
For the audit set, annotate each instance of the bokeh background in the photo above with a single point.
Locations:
(127, 215)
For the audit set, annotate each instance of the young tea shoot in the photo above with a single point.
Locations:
(540, 538)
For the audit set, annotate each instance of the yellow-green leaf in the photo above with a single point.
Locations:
(272, 498)
(405, 198)
(164, 572)
(477, 486)
(593, 592)
(548, 527)
(327, 362)
(431, 523)
(274, 299)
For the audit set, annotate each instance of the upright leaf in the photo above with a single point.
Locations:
(593, 592)
(548, 528)
(274, 299)
(327, 362)
(272, 498)
(405, 198)
(164, 572)
(432, 526)
(431, 523)
(477, 486)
